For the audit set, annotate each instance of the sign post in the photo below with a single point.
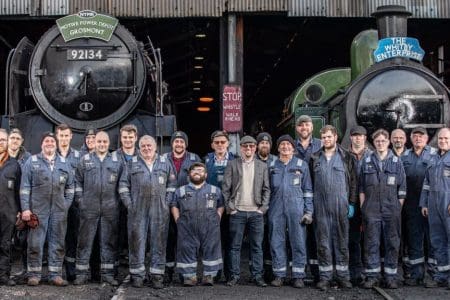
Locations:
(232, 108)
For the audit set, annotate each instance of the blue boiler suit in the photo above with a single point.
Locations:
(73, 220)
(291, 198)
(383, 183)
(97, 195)
(436, 197)
(198, 229)
(416, 225)
(182, 179)
(147, 194)
(48, 192)
(334, 186)
(311, 245)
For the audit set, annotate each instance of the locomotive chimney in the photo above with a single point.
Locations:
(391, 21)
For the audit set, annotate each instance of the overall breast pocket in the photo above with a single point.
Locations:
(370, 176)
(112, 175)
(63, 176)
(162, 177)
(295, 177)
(10, 182)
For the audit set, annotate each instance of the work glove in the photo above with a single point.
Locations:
(306, 219)
(351, 210)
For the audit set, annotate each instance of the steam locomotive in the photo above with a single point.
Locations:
(397, 92)
(78, 75)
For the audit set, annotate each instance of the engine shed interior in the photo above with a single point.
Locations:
(279, 54)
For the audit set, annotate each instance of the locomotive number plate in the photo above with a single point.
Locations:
(86, 54)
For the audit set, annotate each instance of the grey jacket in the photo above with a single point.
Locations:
(232, 183)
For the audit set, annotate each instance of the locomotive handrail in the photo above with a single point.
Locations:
(60, 47)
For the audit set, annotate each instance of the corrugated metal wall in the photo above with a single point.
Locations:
(256, 5)
(15, 7)
(101, 6)
(364, 8)
(54, 7)
(216, 8)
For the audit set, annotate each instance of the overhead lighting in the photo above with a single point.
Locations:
(196, 82)
(198, 67)
(206, 99)
(200, 35)
(196, 89)
(199, 58)
(203, 108)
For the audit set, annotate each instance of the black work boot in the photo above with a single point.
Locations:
(157, 281)
(109, 279)
(80, 280)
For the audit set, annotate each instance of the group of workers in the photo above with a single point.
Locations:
(343, 215)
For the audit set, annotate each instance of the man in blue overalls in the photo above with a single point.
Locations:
(382, 191)
(415, 162)
(334, 182)
(47, 190)
(435, 204)
(197, 208)
(216, 162)
(181, 160)
(291, 207)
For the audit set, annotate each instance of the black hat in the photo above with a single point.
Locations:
(419, 129)
(287, 138)
(90, 131)
(179, 135)
(48, 134)
(358, 130)
(303, 118)
(247, 140)
(264, 136)
(197, 164)
(218, 133)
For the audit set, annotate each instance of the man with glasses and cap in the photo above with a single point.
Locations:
(416, 161)
(47, 190)
(246, 193)
(216, 162)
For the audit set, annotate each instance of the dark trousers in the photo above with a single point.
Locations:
(73, 223)
(6, 232)
(354, 245)
(254, 222)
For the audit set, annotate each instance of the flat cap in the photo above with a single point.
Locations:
(358, 130)
(218, 133)
(247, 140)
(90, 131)
(264, 136)
(285, 138)
(303, 118)
(419, 129)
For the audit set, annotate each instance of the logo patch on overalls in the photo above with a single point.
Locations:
(391, 180)
(210, 201)
(10, 184)
(447, 172)
(62, 179)
(161, 180)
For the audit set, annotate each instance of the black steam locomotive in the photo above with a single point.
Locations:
(396, 92)
(86, 81)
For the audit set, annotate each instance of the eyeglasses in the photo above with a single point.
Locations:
(219, 142)
(381, 142)
(248, 146)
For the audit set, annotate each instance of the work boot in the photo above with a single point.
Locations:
(323, 285)
(192, 281)
(109, 279)
(80, 280)
(157, 282)
(277, 282)
(137, 282)
(298, 283)
(208, 280)
(5, 280)
(391, 284)
(345, 284)
(58, 281)
(370, 283)
(259, 281)
(233, 281)
(33, 281)
(412, 282)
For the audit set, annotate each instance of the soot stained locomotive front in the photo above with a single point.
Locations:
(86, 83)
